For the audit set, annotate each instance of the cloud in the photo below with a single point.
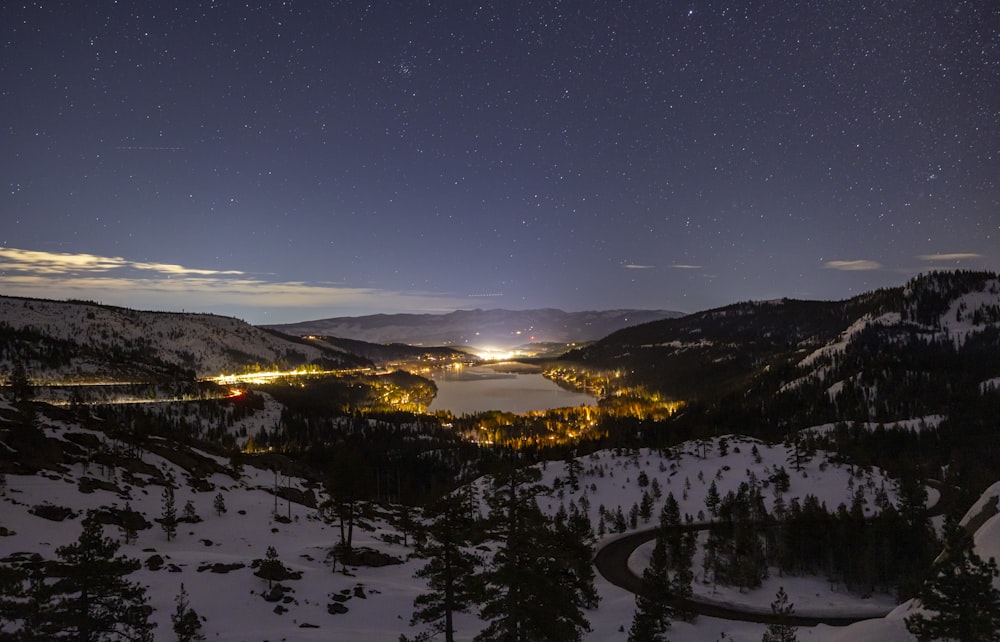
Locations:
(956, 256)
(58, 263)
(167, 286)
(853, 266)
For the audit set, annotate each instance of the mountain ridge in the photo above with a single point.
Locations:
(497, 328)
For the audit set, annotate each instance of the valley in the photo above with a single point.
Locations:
(785, 445)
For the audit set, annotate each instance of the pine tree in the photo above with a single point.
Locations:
(21, 389)
(25, 599)
(450, 570)
(961, 595)
(524, 597)
(189, 514)
(782, 609)
(573, 470)
(271, 567)
(12, 579)
(219, 504)
(653, 612)
(185, 620)
(712, 499)
(93, 602)
(168, 521)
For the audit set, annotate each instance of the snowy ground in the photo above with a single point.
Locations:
(379, 600)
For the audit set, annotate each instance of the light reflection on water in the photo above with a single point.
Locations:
(481, 388)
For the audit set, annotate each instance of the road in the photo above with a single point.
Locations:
(612, 563)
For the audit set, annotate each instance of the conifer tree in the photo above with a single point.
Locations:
(93, 602)
(219, 504)
(189, 513)
(964, 602)
(271, 567)
(781, 631)
(653, 612)
(168, 521)
(20, 385)
(185, 620)
(12, 579)
(450, 570)
(524, 595)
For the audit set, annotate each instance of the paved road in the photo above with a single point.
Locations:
(612, 562)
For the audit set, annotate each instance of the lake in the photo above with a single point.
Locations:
(482, 388)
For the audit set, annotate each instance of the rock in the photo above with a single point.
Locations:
(335, 608)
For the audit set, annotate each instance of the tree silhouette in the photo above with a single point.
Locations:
(450, 569)
(653, 612)
(527, 595)
(93, 602)
(185, 620)
(781, 631)
(965, 604)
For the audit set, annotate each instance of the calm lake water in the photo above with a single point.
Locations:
(482, 388)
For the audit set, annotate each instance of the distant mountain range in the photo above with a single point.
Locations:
(503, 329)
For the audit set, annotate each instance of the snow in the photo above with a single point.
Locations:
(232, 602)
(916, 424)
(838, 346)
(207, 343)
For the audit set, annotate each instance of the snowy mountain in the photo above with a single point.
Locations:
(884, 356)
(70, 340)
(498, 329)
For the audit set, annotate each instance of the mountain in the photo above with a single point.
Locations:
(503, 329)
(857, 404)
(884, 354)
(79, 340)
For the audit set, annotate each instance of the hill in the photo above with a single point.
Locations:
(496, 329)
(84, 341)
(240, 508)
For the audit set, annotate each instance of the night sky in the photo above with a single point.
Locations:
(284, 161)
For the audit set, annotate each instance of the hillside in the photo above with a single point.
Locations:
(890, 355)
(817, 448)
(82, 341)
(496, 329)
(214, 552)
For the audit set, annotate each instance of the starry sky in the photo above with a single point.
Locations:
(284, 161)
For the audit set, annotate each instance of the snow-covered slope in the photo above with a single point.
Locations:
(213, 557)
(94, 336)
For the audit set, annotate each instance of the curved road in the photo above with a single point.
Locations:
(612, 563)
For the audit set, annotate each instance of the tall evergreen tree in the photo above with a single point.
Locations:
(93, 602)
(652, 610)
(577, 548)
(965, 604)
(524, 596)
(185, 620)
(168, 521)
(21, 389)
(451, 567)
(781, 631)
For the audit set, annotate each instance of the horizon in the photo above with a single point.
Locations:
(76, 298)
(302, 160)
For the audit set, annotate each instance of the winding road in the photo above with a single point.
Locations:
(611, 562)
